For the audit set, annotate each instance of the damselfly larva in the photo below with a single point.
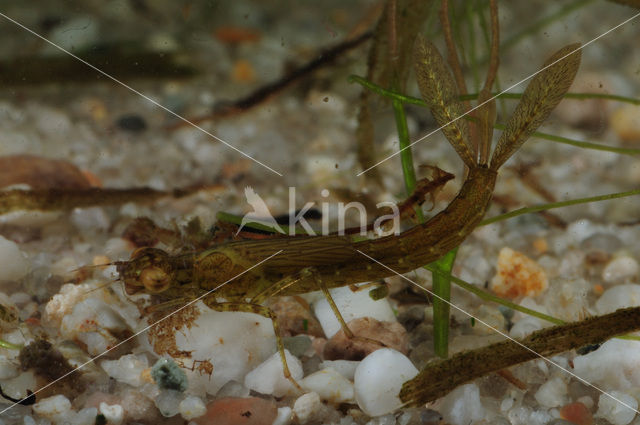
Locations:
(309, 263)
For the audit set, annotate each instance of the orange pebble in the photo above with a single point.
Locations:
(598, 289)
(576, 413)
(92, 179)
(540, 245)
(243, 72)
(100, 260)
(518, 275)
(146, 375)
(239, 411)
(236, 35)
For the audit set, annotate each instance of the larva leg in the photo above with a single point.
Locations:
(311, 273)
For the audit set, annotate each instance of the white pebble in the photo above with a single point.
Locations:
(507, 404)
(552, 393)
(13, 262)
(620, 296)
(616, 364)
(462, 406)
(233, 389)
(94, 322)
(114, 413)
(526, 415)
(74, 34)
(346, 368)
(620, 269)
(62, 303)
(524, 325)
(329, 385)
(168, 402)
(586, 400)
(617, 407)
(56, 408)
(86, 416)
(8, 369)
(284, 416)
(378, 380)
(306, 406)
(127, 369)
(352, 305)
(268, 377)
(20, 298)
(389, 419)
(233, 342)
(192, 407)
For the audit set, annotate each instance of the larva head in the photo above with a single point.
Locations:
(148, 270)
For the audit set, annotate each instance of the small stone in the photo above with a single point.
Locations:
(13, 262)
(378, 380)
(462, 406)
(268, 377)
(552, 393)
(239, 411)
(229, 343)
(570, 301)
(492, 317)
(168, 402)
(114, 414)
(306, 407)
(131, 122)
(95, 323)
(294, 318)
(346, 368)
(127, 369)
(168, 375)
(617, 407)
(576, 413)
(616, 364)
(285, 415)
(75, 34)
(86, 416)
(378, 334)
(523, 324)
(55, 408)
(40, 173)
(297, 345)
(625, 122)
(352, 305)
(619, 296)
(329, 385)
(518, 275)
(8, 369)
(620, 269)
(192, 407)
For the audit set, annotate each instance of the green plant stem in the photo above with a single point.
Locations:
(10, 346)
(487, 296)
(553, 205)
(540, 135)
(406, 155)
(441, 282)
(441, 286)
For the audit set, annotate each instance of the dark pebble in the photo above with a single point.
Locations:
(132, 123)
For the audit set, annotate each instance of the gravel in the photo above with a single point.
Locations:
(585, 267)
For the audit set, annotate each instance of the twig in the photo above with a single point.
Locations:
(324, 58)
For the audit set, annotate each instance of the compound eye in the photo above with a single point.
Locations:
(155, 279)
